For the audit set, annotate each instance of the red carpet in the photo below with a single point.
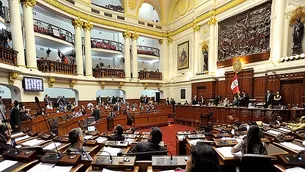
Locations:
(169, 135)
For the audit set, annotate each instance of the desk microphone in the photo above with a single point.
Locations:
(58, 154)
(82, 153)
(299, 155)
(152, 152)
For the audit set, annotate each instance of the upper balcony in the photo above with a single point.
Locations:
(97, 44)
(148, 51)
(53, 31)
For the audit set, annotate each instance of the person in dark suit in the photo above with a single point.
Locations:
(99, 100)
(117, 136)
(113, 100)
(151, 145)
(96, 113)
(194, 100)
(6, 142)
(15, 117)
(268, 99)
(77, 140)
(146, 99)
(244, 100)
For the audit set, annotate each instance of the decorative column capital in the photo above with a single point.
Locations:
(160, 41)
(134, 36)
(30, 3)
(126, 34)
(102, 84)
(170, 40)
(145, 85)
(212, 21)
(204, 46)
(196, 28)
(12, 77)
(120, 85)
(72, 83)
(87, 26)
(77, 23)
(51, 81)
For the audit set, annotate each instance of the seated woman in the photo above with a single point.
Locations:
(251, 144)
(203, 159)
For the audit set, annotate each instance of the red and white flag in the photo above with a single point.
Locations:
(234, 85)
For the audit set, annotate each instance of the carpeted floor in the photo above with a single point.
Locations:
(169, 134)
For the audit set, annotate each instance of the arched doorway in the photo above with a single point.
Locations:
(156, 95)
(104, 94)
(55, 93)
(9, 94)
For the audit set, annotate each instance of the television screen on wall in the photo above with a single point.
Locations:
(32, 84)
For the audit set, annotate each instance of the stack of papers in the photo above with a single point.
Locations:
(226, 152)
(101, 139)
(112, 151)
(194, 142)
(88, 137)
(274, 132)
(227, 138)
(33, 142)
(285, 130)
(7, 164)
(44, 167)
(17, 135)
(130, 141)
(22, 138)
(292, 146)
(51, 146)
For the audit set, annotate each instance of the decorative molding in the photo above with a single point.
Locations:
(12, 77)
(212, 21)
(170, 40)
(126, 34)
(87, 26)
(28, 3)
(160, 41)
(120, 85)
(132, 4)
(134, 36)
(196, 28)
(51, 81)
(103, 85)
(158, 86)
(145, 85)
(204, 46)
(72, 83)
(237, 66)
(299, 13)
(77, 22)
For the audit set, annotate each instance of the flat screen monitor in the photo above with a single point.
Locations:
(32, 84)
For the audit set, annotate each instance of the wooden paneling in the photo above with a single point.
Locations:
(292, 91)
(273, 83)
(205, 89)
(259, 88)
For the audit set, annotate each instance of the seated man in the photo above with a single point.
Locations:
(297, 126)
(150, 147)
(77, 140)
(117, 136)
(5, 139)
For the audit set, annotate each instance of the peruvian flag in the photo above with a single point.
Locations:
(234, 85)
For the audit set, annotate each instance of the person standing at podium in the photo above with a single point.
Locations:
(77, 140)
(15, 118)
(117, 136)
(150, 146)
(251, 144)
(203, 159)
(5, 139)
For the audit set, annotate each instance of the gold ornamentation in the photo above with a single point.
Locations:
(134, 36)
(212, 21)
(170, 40)
(160, 41)
(102, 84)
(30, 3)
(126, 34)
(12, 77)
(196, 28)
(87, 26)
(204, 46)
(145, 85)
(299, 13)
(158, 86)
(120, 85)
(72, 83)
(51, 82)
(132, 4)
(237, 66)
(77, 23)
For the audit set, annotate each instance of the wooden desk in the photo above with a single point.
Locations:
(151, 119)
(65, 127)
(100, 125)
(20, 166)
(122, 120)
(191, 114)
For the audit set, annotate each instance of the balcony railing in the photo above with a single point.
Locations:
(115, 8)
(49, 66)
(151, 51)
(108, 73)
(8, 56)
(150, 75)
(54, 31)
(106, 44)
